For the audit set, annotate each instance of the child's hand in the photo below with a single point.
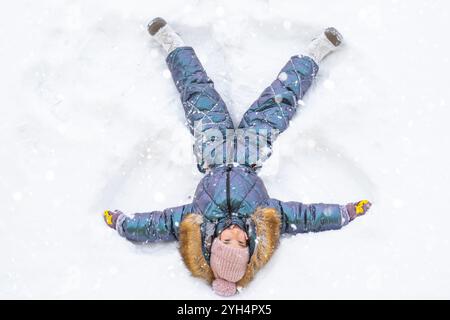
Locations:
(362, 207)
(358, 208)
(111, 218)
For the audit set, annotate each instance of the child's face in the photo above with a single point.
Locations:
(234, 237)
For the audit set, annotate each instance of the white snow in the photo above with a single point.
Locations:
(89, 120)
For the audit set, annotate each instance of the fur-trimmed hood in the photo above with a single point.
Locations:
(267, 222)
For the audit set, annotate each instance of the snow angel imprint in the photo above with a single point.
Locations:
(233, 227)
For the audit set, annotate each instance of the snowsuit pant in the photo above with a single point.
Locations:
(216, 139)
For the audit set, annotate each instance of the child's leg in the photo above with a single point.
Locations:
(276, 106)
(271, 113)
(202, 104)
(206, 113)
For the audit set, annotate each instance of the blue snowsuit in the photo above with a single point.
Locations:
(230, 192)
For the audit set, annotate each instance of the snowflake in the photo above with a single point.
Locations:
(154, 53)
(283, 76)
(49, 175)
(398, 203)
(166, 74)
(311, 143)
(328, 84)
(287, 24)
(17, 196)
(159, 197)
(220, 11)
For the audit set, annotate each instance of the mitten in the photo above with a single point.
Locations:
(111, 217)
(358, 208)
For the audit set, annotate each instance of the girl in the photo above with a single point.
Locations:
(232, 227)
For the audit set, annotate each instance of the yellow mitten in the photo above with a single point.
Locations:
(362, 207)
(358, 208)
(111, 218)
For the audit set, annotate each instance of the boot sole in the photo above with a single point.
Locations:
(334, 36)
(155, 25)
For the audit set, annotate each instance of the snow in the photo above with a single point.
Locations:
(90, 120)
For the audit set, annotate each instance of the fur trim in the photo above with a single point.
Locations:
(190, 239)
(267, 222)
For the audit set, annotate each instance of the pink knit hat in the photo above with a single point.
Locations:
(228, 265)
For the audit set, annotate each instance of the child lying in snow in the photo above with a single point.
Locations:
(232, 227)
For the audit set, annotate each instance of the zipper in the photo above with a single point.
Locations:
(228, 190)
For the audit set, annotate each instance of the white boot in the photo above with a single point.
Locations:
(165, 35)
(327, 42)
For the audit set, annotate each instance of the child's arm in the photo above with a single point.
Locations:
(150, 226)
(301, 218)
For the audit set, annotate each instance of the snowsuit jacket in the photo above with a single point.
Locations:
(231, 193)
